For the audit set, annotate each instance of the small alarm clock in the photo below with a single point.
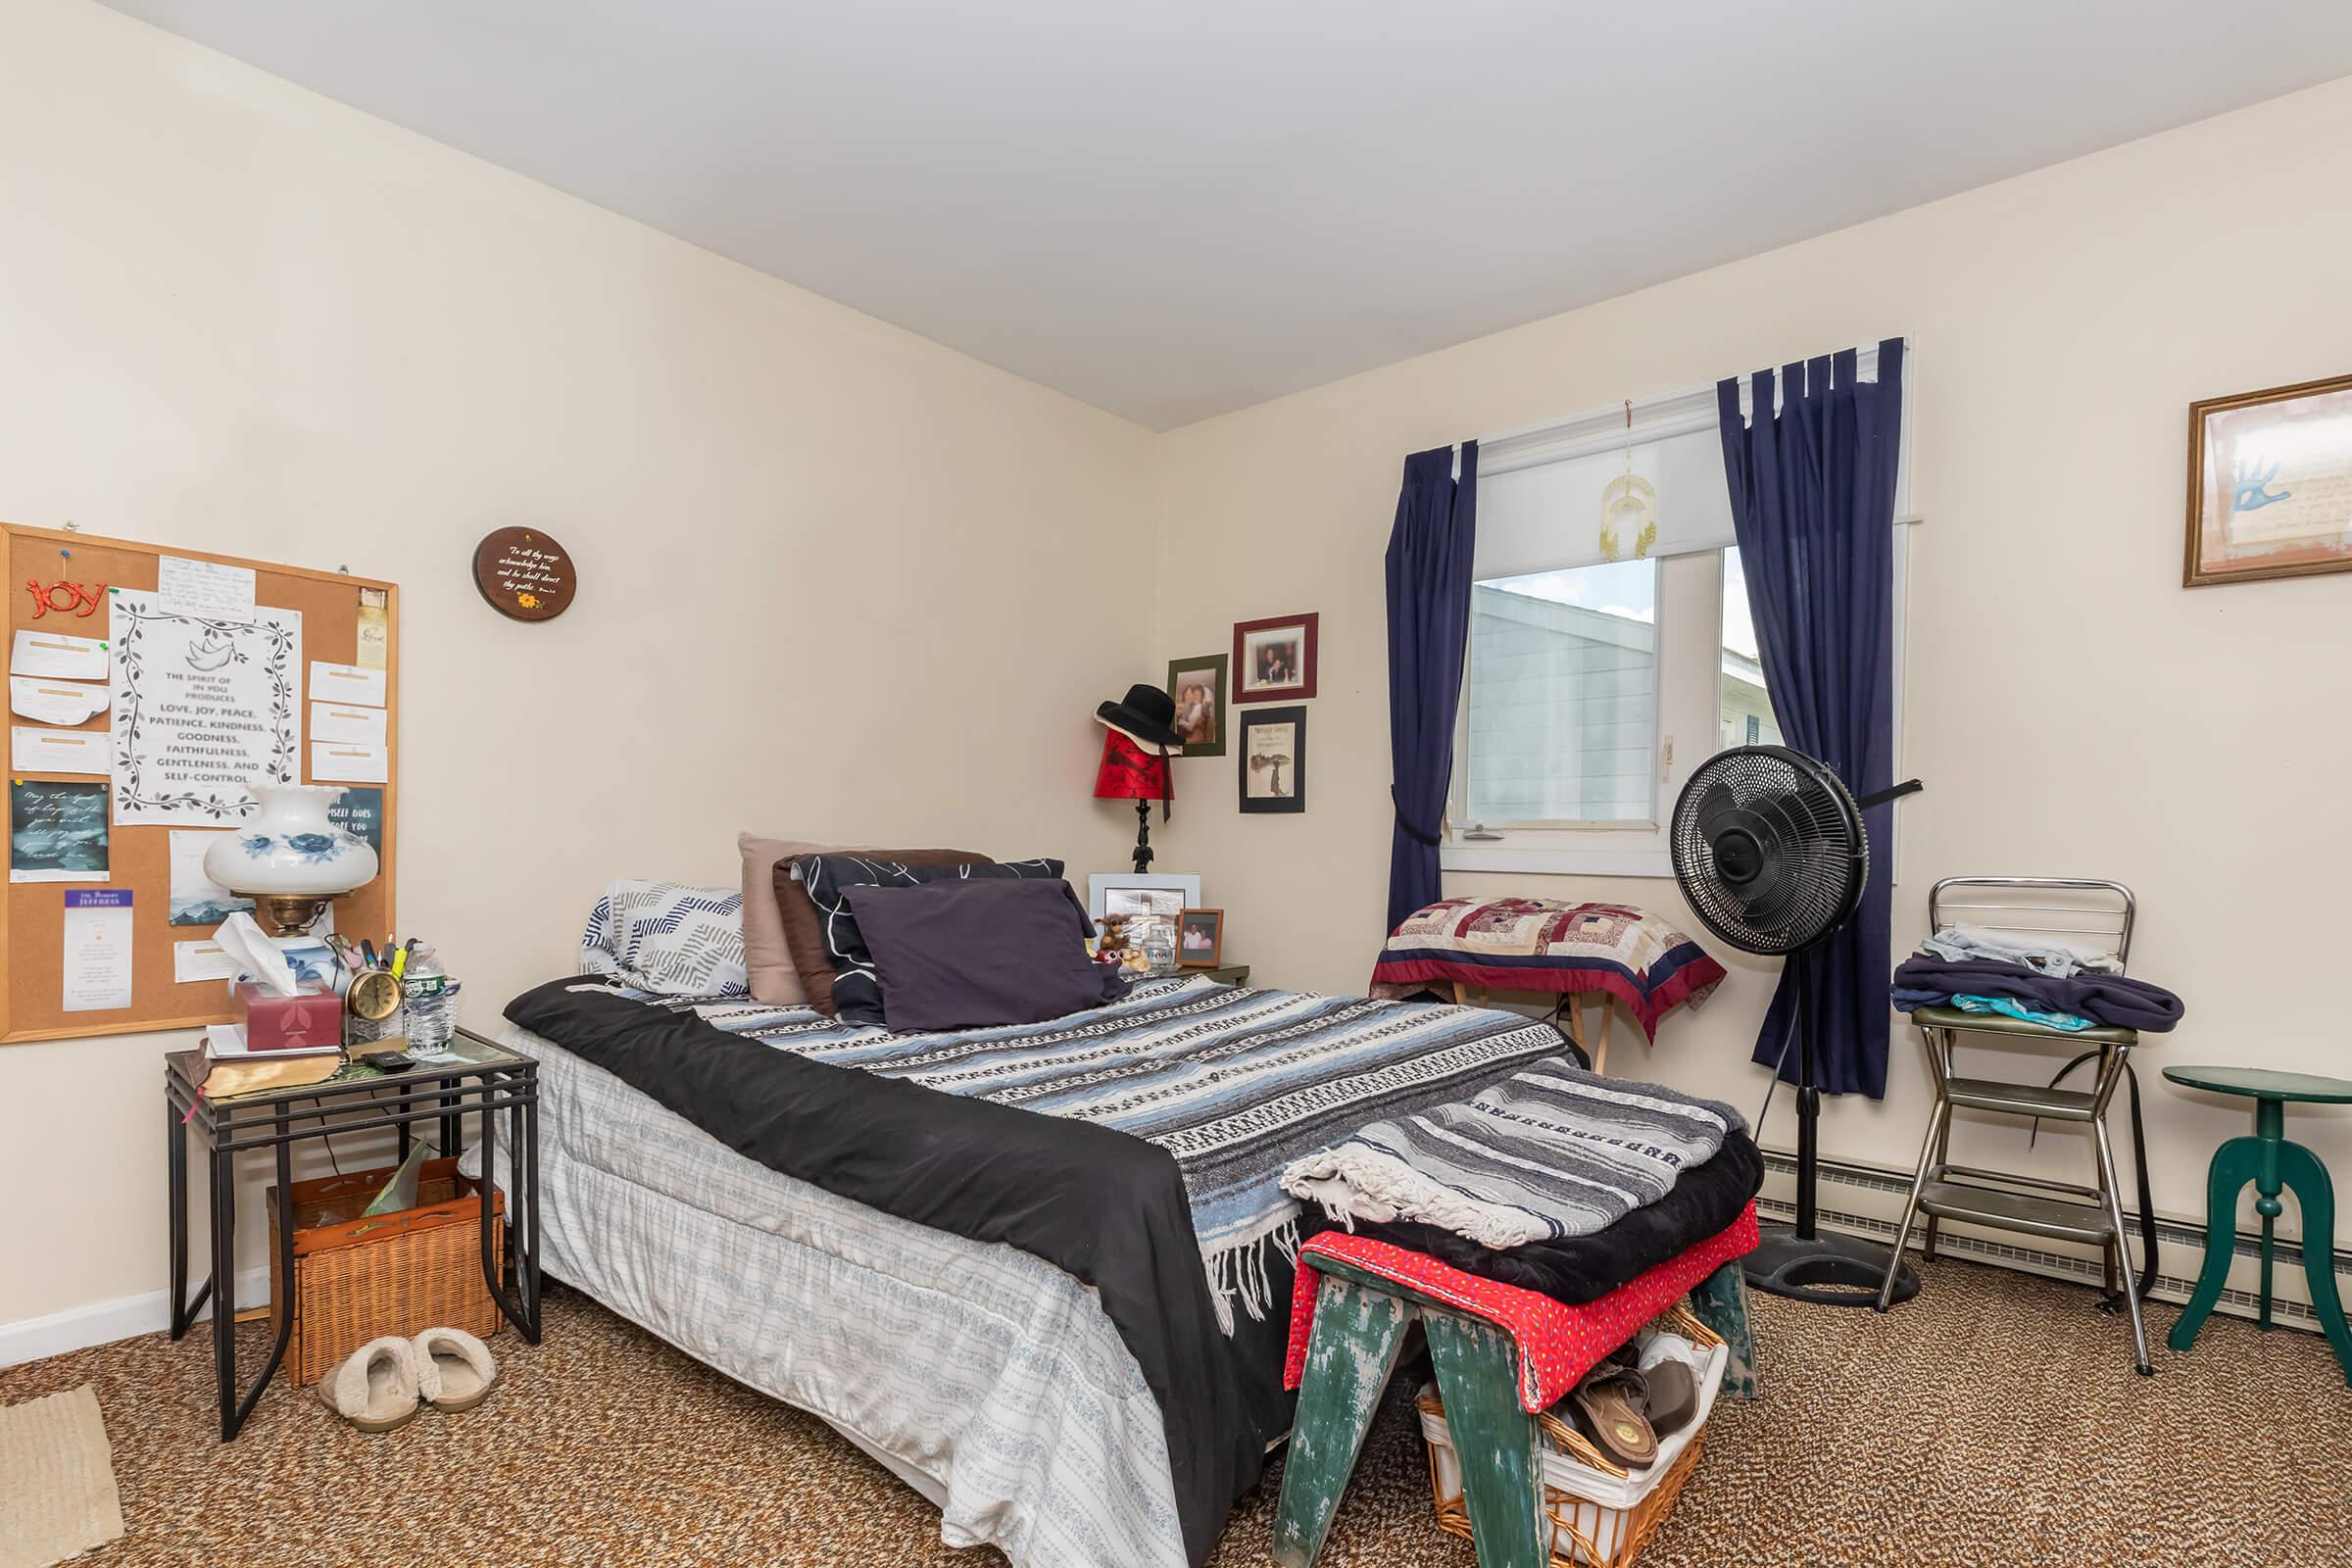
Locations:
(374, 997)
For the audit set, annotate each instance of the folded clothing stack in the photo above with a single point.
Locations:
(1555, 1179)
(2079, 999)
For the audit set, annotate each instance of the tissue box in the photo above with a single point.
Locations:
(312, 1019)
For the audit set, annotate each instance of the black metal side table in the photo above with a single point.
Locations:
(478, 1078)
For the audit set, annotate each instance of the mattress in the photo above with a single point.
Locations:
(988, 1379)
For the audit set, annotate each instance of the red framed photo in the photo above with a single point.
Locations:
(1274, 660)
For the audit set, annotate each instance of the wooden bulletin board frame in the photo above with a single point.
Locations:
(33, 913)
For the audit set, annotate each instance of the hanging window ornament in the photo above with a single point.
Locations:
(1628, 504)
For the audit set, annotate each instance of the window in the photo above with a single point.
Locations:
(1746, 708)
(1596, 684)
(1563, 700)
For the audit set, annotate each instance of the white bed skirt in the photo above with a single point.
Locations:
(986, 1379)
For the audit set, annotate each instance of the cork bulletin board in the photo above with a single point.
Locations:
(32, 913)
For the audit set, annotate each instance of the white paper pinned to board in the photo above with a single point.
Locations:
(344, 763)
(209, 590)
(96, 961)
(55, 702)
(58, 656)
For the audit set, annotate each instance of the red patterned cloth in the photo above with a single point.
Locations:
(1609, 949)
(1559, 1344)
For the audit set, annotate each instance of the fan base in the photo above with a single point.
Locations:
(1830, 1270)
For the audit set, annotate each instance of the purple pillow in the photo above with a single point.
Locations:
(964, 955)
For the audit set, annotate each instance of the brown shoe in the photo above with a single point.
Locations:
(1610, 1406)
(1672, 1391)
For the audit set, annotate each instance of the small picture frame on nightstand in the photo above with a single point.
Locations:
(1201, 939)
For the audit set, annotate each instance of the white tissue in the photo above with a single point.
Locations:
(255, 955)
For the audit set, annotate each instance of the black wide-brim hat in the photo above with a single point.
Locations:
(1146, 715)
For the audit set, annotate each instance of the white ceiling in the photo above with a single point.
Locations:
(1177, 209)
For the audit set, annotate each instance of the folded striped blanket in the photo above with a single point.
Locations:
(1232, 1081)
(1550, 1151)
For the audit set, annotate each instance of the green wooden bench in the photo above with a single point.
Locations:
(1361, 1319)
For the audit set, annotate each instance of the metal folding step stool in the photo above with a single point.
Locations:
(2020, 905)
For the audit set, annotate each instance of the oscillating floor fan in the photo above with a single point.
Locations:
(1771, 855)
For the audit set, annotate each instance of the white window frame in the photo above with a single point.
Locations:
(1639, 848)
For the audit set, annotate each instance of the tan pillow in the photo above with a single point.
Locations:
(803, 934)
(765, 953)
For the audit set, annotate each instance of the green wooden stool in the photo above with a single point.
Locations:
(1361, 1319)
(2270, 1161)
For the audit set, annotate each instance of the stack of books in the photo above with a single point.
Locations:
(232, 1067)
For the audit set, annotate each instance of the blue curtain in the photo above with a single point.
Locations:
(1428, 637)
(1813, 503)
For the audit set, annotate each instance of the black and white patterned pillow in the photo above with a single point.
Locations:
(667, 936)
(857, 987)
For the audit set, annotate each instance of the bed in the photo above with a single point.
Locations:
(1065, 1330)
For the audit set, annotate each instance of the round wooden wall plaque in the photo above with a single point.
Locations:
(524, 574)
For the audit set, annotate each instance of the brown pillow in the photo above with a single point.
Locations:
(811, 964)
(766, 954)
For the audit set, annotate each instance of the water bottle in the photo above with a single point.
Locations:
(429, 997)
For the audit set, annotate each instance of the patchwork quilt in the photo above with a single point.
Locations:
(1609, 949)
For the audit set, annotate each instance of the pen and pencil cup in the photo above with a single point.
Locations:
(358, 1031)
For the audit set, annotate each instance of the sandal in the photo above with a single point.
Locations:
(1610, 1403)
(1671, 1366)
(375, 1389)
(1672, 1389)
(459, 1371)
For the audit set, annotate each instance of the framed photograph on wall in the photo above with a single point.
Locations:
(2270, 484)
(1200, 939)
(1199, 687)
(1273, 771)
(1274, 659)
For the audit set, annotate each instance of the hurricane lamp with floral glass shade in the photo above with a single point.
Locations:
(289, 859)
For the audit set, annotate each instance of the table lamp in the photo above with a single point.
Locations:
(1145, 717)
(289, 859)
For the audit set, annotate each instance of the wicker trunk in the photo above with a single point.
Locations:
(357, 1279)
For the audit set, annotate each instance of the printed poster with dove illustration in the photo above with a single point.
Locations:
(202, 707)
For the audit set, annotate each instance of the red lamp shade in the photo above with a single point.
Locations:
(1129, 772)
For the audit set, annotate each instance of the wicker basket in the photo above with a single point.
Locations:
(1585, 1533)
(357, 1279)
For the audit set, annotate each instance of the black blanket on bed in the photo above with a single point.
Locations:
(1107, 1209)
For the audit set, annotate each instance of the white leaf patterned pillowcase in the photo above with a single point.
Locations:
(669, 938)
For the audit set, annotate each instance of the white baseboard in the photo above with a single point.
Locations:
(1858, 1199)
(1867, 1200)
(103, 1322)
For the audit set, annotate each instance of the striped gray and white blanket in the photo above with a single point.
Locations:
(1550, 1151)
(1234, 1083)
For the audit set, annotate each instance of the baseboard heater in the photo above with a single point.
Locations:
(1867, 1200)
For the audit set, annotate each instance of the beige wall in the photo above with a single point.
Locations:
(2070, 707)
(836, 581)
(236, 316)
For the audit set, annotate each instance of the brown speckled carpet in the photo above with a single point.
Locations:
(1994, 1421)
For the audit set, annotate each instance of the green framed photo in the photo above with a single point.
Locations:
(1199, 687)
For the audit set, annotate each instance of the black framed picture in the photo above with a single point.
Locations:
(1273, 748)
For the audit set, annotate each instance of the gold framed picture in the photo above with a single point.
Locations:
(2270, 484)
